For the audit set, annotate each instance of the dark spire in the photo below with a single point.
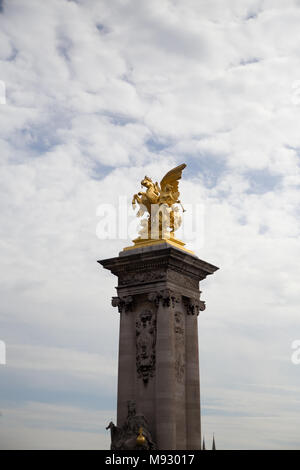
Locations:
(213, 444)
(203, 444)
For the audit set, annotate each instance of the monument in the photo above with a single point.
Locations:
(158, 299)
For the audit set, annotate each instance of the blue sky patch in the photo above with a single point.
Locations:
(155, 144)
(262, 181)
(208, 167)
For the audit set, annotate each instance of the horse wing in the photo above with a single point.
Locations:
(172, 178)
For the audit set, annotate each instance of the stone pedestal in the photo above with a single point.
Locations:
(159, 301)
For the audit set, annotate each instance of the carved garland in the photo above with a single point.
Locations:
(145, 344)
(141, 277)
(179, 346)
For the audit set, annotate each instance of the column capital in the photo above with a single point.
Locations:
(167, 297)
(124, 302)
(193, 305)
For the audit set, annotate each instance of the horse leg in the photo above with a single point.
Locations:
(135, 199)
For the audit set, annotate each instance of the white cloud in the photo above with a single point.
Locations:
(100, 94)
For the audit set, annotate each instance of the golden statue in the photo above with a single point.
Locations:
(158, 203)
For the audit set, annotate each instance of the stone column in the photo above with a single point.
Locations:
(126, 369)
(180, 373)
(159, 300)
(165, 375)
(193, 431)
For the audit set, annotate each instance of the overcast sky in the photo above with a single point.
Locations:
(98, 94)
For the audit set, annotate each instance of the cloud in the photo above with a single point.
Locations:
(98, 95)
(40, 426)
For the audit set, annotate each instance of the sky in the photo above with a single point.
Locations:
(93, 96)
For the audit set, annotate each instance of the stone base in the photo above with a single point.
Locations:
(143, 243)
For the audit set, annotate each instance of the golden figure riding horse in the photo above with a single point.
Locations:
(163, 218)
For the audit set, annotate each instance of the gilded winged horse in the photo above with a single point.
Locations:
(157, 195)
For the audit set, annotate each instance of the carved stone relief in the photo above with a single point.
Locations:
(140, 277)
(145, 344)
(179, 346)
(182, 280)
(125, 437)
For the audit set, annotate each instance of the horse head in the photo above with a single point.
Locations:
(147, 182)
